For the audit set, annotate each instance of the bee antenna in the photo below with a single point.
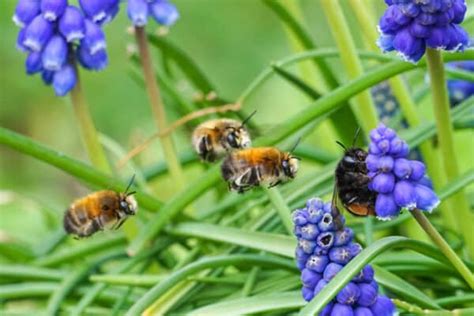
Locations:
(129, 185)
(341, 144)
(131, 193)
(356, 136)
(295, 145)
(248, 118)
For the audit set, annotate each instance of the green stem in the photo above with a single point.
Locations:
(445, 135)
(444, 247)
(281, 207)
(89, 134)
(157, 106)
(362, 106)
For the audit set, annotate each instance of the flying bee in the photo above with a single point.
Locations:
(248, 168)
(99, 210)
(212, 139)
(351, 184)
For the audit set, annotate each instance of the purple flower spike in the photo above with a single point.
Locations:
(37, 34)
(19, 41)
(138, 12)
(395, 183)
(410, 26)
(47, 77)
(64, 80)
(164, 12)
(72, 25)
(53, 9)
(26, 11)
(460, 90)
(33, 63)
(318, 269)
(54, 55)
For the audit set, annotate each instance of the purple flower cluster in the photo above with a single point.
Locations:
(460, 90)
(53, 33)
(410, 26)
(398, 181)
(164, 12)
(322, 252)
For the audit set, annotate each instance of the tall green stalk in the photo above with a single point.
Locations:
(157, 106)
(89, 134)
(407, 106)
(363, 106)
(444, 247)
(445, 136)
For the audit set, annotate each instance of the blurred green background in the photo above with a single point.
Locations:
(231, 41)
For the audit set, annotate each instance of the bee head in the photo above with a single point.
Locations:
(238, 137)
(128, 204)
(290, 166)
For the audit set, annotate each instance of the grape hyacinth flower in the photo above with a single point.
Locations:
(410, 26)
(398, 181)
(460, 90)
(164, 12)
(322, 252)
(54, 34)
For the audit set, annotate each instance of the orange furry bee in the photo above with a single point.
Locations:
(248, 168)
(99, 210)
(214, 138)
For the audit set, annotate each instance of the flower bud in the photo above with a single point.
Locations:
(383, 183)
(64, 80)
(54, 55)
(72, 24)
(426, 199)
(137, 11)
(37, 34)
(33, 63)
(310, 278)
(317, 263)
(94, 38)
(349, 294)
(164, 12)
(368, 295)
(385, 207)
(341, 310)
(26, 11)
(53, 9)
(363, 311)
(97, 61)
(404, 195)
(331, 270)
(383, 307)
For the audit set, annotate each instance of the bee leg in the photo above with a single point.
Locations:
(274, 184)
(120, 223)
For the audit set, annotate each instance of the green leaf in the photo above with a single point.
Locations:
(297, 82)
(403, 289)
(74, 167)
(186, 64)
(203, 264)
(274, 243)
(254, 304)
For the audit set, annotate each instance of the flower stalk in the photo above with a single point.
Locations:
(89, 134)
(445, 135)
(444, 247)
(157, 106)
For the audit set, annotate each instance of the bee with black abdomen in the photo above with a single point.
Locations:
(212, 139)
(351, 183)
(99, 210)
(248, 168)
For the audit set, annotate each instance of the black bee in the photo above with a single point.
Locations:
(351, 184)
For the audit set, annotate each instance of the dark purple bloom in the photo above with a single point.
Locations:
(37, 33)
(410, 26)
(322, 252)
(460, 90)
(26, 11)
(164, 12)
(72, 24)
(53, 9)
(398, 181)
(54, 55)
(51, 31)
(64, 80)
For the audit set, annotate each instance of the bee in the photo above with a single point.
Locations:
(351, 183)
(248, 168)
(212, 139)
(98, 210)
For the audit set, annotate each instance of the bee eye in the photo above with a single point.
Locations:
(349, 160)
(123, 205)
(232, 139)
